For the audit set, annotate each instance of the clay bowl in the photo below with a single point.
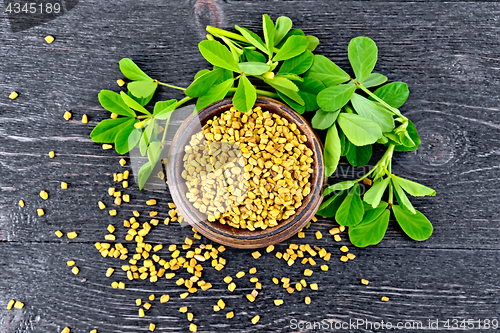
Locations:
(224, 234)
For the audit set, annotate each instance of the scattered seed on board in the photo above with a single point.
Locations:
(10, 304)
(307, 300)
(110, 272)
(13, 95)
(40, 212)
(75, 270)
(93, 331)
(193, 327)
(151, 202)
(52, 154)
(85, 119)
(365, 282)
(164, 298)
(70, 263)
(107, 146)
(278, 302)
(344, 249)
(21, 203)
(255, 319)
(44, 195)
(64, 185)
(319, 235)
(256, 254)
(384, 299)
(59, 233)
(101, 205)
(152, 327)
(123, 162)
(49, 39)
(72, 235)
(67, 115)
(120, 82)
(308, 272)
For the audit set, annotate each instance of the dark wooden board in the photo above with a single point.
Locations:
(446, 52)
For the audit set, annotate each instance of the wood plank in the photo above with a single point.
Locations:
(421, 284)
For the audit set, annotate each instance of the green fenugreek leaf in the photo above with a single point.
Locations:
(214, 94)
(283, 26)
(293, 46)
(141, 88)
(132, 71)
(374, 79)
(332, 151)
(374, 111)
(395, 93)
(113, 102)
(372, 228)
(131, 103)
(358, 156)
(144, 174)
(269, 31)
(298, 64)
(362, 53)
(245, 95)
(218, 55)
(163, 109)
(351, 210)
(327, 71)
(313, 43)
(128, 137)
(309, 90)
(415, 225)
(359, 130)
(253, 38)
(106, 130)
(345, 185)
(204, 82)
(330, 207)
(323, 120)
(335, 97)
(375, 193)
(401, 195)
(254, 68)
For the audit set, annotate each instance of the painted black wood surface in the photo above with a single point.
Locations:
(448, 53)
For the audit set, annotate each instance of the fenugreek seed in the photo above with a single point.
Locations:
(10, 304)
(123, 162)
(13, 95)
(19, 305)
(120, 82)
(319, 235)
(40, 212)
(252, 270)
(164, 298)
(308, 272)
(152, 327)
(72, 235)
(93, 331)
(101, 205)
(344, 249)
(255, 319)
(107, 146)
(350, 256)
(147, 306)
(365, 282)
(126, 197)
(256, 254)
(114, 116)
(193, 327)
(59, 233)
(183, 309)
(110, 272)
(64, 185)
(75, 270)
(275, 280)
(44, 195)
(231, 286)
(66, 329)
(307, 300)
(384, 299)
(141, 313)
(70, 263)
(228, 279)
(52, 154)
(121, 285)
(278, 302)
(270, 248)
(344, 258)
(49, 39)
(125, 184)
(151, 202)
(324, 267)
(85, 119)
(184, 295)
(138, 302)
(67, 115)
(342, 228)
(21, 203)
(112, 212)
(337, 238)
(250, 297)
(239, 275)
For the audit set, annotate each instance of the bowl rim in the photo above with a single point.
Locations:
(224, 234)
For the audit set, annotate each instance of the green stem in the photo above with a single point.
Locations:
(170, 86)
(381, 101)
(221, 32)
(391, 195)
(141, 117)
(385, 160)
(182, 101)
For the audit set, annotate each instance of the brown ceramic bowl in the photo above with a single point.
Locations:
(224, 234)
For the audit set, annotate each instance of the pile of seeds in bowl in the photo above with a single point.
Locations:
(248, 170)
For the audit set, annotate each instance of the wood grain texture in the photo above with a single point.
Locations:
(446, 52)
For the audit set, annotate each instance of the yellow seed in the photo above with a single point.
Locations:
(183, 309)
(75, 270)
(301, 234)
(67, 115)
(13, 95)
(49, 39)
(138, 302)
(44, 195)
(59, 233)
(365, 282)
(40, 212)
(111, 228)
(252, 270)
(110, 271)
(107, 146)
(324, 267)
(230, 315)
(121, 285)
(337, 238)
(113, 115)
(141, 313)
(250, 297)
(101, 205)
(72, 235)
(112, 212)
(239, 275)
(221, 304)
(126, 174)
(126, 197)
(344, 258)
(184, 295)
(342, 228)
(52, 154)
(164, 298)
(151, 202)
(18, 305)
(147, 306)
(350, 256)
(10, 304)
(125, 184)
(270, 249)
(120, 82)
(170, 275)
(231, 286)
(152, 297)
(344, 249)
(384, 299)
(307, 300)
(193, 327)
(313, 286)
(70, 263)
(93, 331)
(256, 254)
(123, 162)
(275, 280)
(319, 235)
(278, 302)
(152, 327)
(114, 284)
(228, 279)
(255, 319)
(66, 330)
(21, 203)
(64, 185)
(308, 272)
